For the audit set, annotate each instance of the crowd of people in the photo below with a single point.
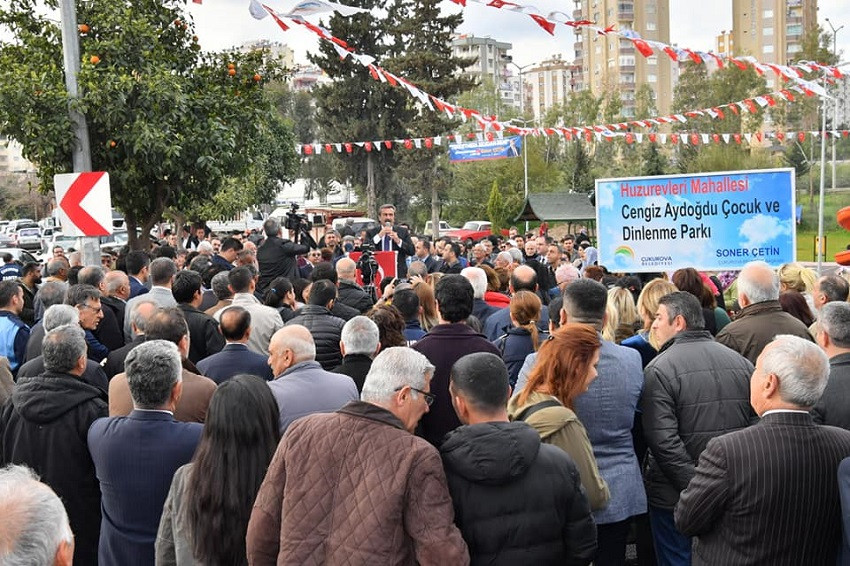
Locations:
(245, 399)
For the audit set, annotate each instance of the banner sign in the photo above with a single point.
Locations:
(708, 221)
(85, 204)
(479, 151)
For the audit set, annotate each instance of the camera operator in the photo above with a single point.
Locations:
(276, 255)
(391, 237)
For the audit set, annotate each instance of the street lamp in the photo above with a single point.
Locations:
(835, 31)
(524, 162)
(521, 69)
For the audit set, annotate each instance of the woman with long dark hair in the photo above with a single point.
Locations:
(206, 515)
(566, 365)
(280, 295)
(523, 336)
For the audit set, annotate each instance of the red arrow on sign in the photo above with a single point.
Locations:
(71, 203)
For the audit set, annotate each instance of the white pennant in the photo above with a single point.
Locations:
(704, 138)
(639, 137)
(748, 137)
(663, 138)
(726, 137)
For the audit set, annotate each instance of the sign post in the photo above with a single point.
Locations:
(708, 221)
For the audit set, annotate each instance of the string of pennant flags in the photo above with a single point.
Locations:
(492, 123)
(587, 136)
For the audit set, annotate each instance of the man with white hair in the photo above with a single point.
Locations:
(360, 342)
(42, 426)
(834, 337)
(350, 293)
(386, 488)
(301, 387)
(478, 277)
(761, 317)
(134, 484)
(36, 528)
(768, 494)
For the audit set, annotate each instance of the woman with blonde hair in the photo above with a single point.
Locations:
(523, 336)
(566, 365)
(798, 277)
(622, 315)
(644, 341)
(428, 319)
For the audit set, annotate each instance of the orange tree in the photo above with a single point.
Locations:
(173, 126)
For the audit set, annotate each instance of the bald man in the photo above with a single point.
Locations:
(301, 387)
(761, 317)
(116, 292)
(350, 293)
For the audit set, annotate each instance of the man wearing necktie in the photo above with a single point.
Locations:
(391, 238)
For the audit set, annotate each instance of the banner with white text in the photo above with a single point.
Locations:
(483, 150)
(708, 221)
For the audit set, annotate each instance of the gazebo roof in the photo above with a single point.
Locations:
(562, 206)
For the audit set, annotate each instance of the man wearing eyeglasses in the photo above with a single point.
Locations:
(314, 257)
(375, 492)
(87, 300)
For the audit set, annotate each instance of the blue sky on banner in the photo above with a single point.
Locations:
(224, 23)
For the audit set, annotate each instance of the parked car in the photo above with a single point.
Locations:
(358, 223)
(441, 231)
(28, 238)
(20, 255)
(471, 231)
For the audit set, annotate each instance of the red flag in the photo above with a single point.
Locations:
(274, 16)
(368, 146)
(674, 138)
(652, 137)
(751, 106)
(643, 47)
(500, 3)
(758, 136)
(734, 109)
(672, 53)
(588, 136)
(717, 59)
(694, 139)
(328, 148)
(308, 149)
(780, 136)
(770, 100)
(737, 138)
(348, 148)
(388, 144)
(630, 138)
(197, 1)
(716, 138)
(429, 143)
(694, 57)
(801, 136)
(740, 64)
(544, 23)
(374, 72)
(489, 136)
(408, 144)
(720, 113)
(461, 2)
(787, 94)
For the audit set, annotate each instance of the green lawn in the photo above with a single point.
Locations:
(836, 237)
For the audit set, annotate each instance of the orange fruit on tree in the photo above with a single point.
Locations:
(231, 66)
(94, 60)
(112, 143)
(257, 77)
(231, 72)
(177, 23)
(84, 28)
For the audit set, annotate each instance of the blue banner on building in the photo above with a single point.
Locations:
(709, 221)
(478, 151)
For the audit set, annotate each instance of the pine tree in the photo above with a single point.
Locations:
(652, 162)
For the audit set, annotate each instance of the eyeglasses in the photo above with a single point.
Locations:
(429, 397)
(98, 309)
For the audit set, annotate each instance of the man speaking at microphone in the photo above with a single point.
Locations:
(391, 238)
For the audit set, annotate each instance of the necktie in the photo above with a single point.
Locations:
(387, 245)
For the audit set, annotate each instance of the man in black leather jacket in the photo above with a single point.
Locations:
(277, 256)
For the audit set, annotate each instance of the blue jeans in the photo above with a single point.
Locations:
(672, 548)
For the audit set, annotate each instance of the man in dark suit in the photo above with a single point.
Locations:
(391, 237)
(134, 483)
(276, 257)
(140, 313)
(768, 494)
(108, 332)
(235, 358)
(359, 344)
(833, 336)
(116, 293)
(138, 264)
(204, 337)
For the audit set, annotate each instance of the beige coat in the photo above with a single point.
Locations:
(560, 427)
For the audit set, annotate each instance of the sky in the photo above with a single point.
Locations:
(226, 23)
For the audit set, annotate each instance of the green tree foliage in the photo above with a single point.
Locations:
(652, 161)
(497, 212)
(795, 157)
(172, 126)
(729, 158)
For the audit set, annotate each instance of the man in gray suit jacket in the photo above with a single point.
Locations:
(162, 272)
(768, 494)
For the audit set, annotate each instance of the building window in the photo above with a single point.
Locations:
(795, 48)
(767, 14)
(767, 49)
(652, 60)
(767, 32)
(652, 78)
(794, 29)
(610, 63)
(598, 49)
(627, 60)
(650, 26)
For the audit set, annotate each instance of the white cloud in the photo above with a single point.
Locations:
(761, 229)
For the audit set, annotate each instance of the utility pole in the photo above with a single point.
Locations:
(81, 153)
(835, 101)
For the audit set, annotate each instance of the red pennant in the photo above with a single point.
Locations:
(734, 109)
(770, 100)
(279, 22)
(460, 2)
(694, 139)
(751, 106)
(674, 138)
(388, 144)
(652, 137)
(694, 57)
(588, 136)
(391, 79)
(348, 148)
(544, 23)
(787, 94)
(429, 143)
(501, 3)
(672, 53)
(569, 137)
(308, 149)
(737, 138)
(717, 59)
(643, 47)
(720, 113)
(801, 136)
(489, 136)
(740, 64)
(845, 133)
(716, 138)
(408, 144)
(374, 72)
(470, 136)
(780, 136)
(758, 136)
(368, 146)
(630, 138)
(328, 148)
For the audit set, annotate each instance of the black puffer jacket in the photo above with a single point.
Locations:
(517, 501)
(326, 330)
(694, 389)
(45, 426)
(353, 295)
